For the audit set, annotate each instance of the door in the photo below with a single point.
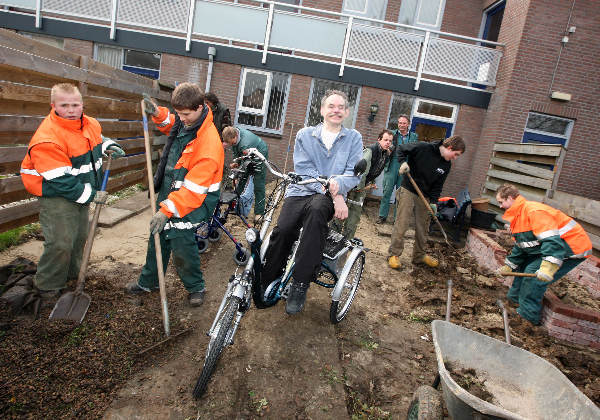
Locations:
(431, 130)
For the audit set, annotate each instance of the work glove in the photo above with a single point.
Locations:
(404, 168)
(101, 197)
(149, 105)
(505, 269)
(433, 207)
(116, 150)
(158, 221)
(546, 271)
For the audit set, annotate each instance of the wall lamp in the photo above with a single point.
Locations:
(373, 111)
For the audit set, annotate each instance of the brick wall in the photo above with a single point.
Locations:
(533, 33)
(178, 69)
(462, 17)
(80, 47)
(368, 96)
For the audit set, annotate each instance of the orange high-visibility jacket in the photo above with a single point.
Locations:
(198, 171)
(64, 159)
(540, 230)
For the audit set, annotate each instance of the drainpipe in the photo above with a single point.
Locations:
(212, 51)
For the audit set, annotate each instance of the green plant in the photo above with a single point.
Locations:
(261, 405)
(77, 336)
(124, 193)
(364, 411)
(18, 235)
(331, 375)
(420, 317)
(369, 343)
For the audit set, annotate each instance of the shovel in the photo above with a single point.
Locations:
(512, 274)
(418, 190)
(74, 305)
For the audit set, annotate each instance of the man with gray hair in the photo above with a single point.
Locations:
(325, 150)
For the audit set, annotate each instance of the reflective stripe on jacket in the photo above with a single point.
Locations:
(64, 159)
(540, 230)
(198, 171)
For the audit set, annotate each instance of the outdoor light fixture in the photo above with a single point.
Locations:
(374, 108)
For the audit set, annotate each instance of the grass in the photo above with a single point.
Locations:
(77, 336)
(18, 235)
(124, 193)
(364, 411)
(369, 343)
(422, 317)
(331, 375)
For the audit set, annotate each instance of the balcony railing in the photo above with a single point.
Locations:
(301, 31)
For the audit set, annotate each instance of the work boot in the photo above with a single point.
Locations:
(296, 298)
(394, 262)
(381, 220)
(196, 298)
(429, 261)
(135, 289)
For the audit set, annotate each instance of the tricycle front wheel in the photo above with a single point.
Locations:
(426, 405)
(339, 309)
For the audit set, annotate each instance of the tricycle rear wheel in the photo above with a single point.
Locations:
(426, 405)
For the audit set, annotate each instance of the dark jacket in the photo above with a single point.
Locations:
(427, 167)
(379, 159)
(221, 118)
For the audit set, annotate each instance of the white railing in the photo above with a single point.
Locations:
(332, 37)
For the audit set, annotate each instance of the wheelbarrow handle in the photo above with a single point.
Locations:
(512, 274)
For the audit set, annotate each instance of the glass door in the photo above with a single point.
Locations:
(431, 130)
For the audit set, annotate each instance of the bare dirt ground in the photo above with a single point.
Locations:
(303, 367)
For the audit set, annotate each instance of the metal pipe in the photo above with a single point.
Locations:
(268, 33)
(449, 300)
(562, 46)
(422, 61)
(212, 51)
(38, 14)
(113, 19)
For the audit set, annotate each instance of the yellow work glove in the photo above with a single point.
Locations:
(547, 271)
(505, 269)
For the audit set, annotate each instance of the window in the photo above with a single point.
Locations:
(438, 111)
(318, 89)
(401, 104)
(134, 61)
(426, 14)
(373, 9)
(262, 100)
(541, 128)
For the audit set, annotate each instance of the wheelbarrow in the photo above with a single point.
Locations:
(522, 384)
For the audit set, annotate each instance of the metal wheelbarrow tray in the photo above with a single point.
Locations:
(524, 385)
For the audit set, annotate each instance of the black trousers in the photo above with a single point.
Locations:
(311, 213)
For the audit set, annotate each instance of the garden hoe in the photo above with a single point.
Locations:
(74, 305)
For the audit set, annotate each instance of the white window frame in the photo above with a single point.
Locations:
(439, 17)
(123, 65)
(345, 9)
(566, 136)
(267, 94)
(451, 119)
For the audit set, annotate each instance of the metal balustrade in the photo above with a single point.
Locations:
(333, 37)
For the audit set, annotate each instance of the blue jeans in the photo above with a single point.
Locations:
(246, 197)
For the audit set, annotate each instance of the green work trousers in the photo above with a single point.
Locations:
(65, 227)
(348, 226)
(259, 179)
(529, 292)
(185, 259)
(391, 179)
(409, 205)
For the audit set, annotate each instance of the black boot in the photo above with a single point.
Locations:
(381, 220)
(296, 298)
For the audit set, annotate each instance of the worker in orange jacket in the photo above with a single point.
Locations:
(63, 167)
(548, 243)
(188, 180)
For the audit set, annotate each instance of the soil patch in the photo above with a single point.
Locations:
(280, 366)
(470, 381)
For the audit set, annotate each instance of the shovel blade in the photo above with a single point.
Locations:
(71, 306)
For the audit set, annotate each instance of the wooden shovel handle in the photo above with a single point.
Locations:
(512, 274)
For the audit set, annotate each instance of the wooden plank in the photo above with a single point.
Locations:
(12, 189)
(544, 160)
(23, 43)
(576, 206)
(19, 215)
(520, 179)
(523, 167)
(132, 178)
(21, 60)
(11, 158)
(529, 193)
(529, 148)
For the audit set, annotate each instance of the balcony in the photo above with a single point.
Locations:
(280, 29)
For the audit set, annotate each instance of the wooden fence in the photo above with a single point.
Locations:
(534, 169)
(28, 69)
